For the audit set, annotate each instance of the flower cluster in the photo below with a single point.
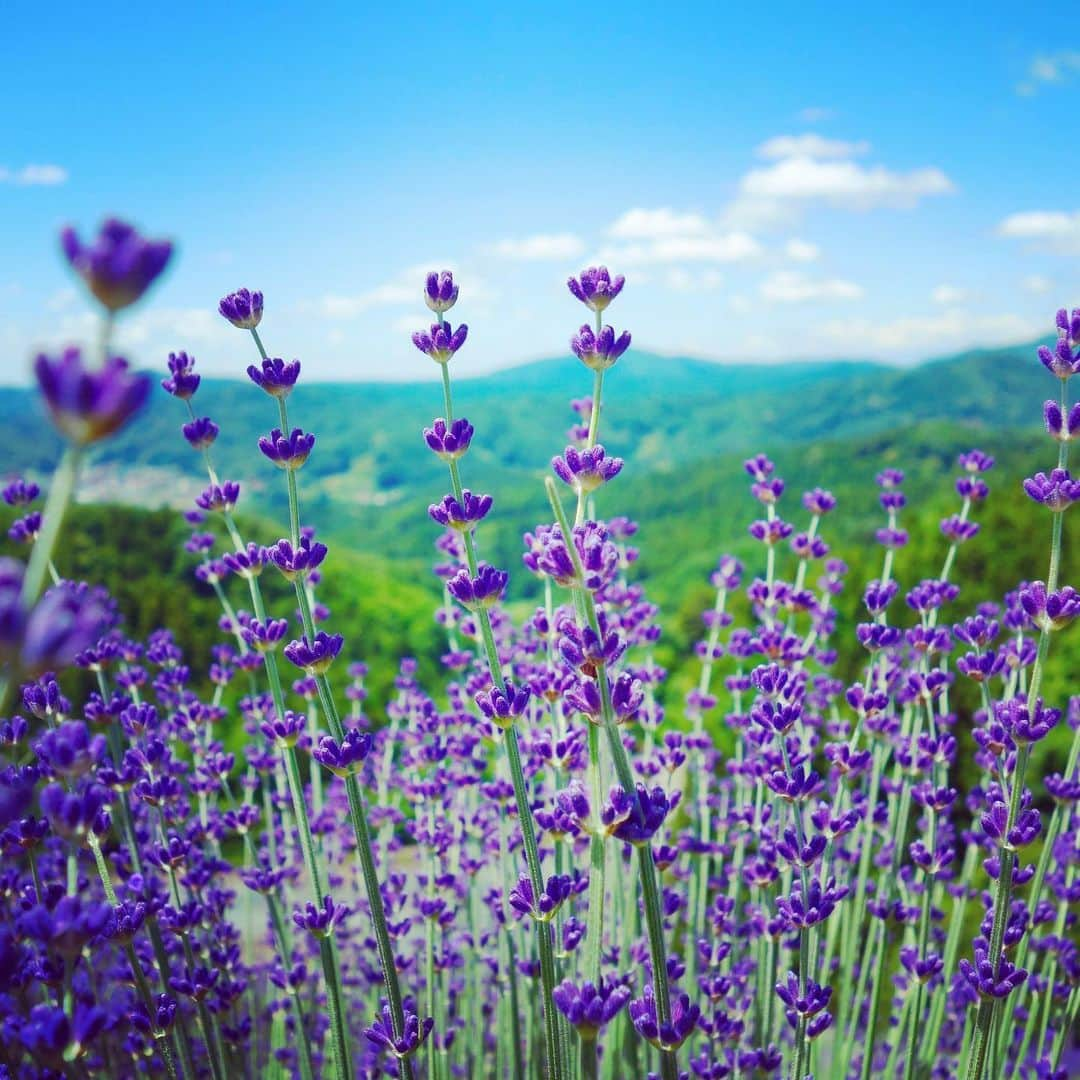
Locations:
(840, 850)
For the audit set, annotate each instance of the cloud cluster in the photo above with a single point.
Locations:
(34, 176)
(791, 287)
(1048, 70)
(1051, 230)
(541, 247)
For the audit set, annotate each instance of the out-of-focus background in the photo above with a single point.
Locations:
(844, 233)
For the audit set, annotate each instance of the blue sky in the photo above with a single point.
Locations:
(775, 182)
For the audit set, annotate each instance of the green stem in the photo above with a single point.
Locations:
(61, 491)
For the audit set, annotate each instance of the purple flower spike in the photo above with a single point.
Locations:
(449, 442)
(74, 815)
(219, 497)
(300, 561)
(586, 470)
(69, 750)
(20, 493)
(65, 622)
(590, 1008)
(596, 288)
(441, 341)
(285, 731)
(440, 292)
(242, 308)
(315, 657)
(265, 636)
(482, 591)
(987, 983)
(1050, 611)
(684, 1018)
(922, 969)
(287, 451)
(599, 351)
(635, 824)
(957, 529)
(320, 922)
(460, 515)
(549, 555)
(503, 706)
(182, 381)
(1062, 426)
(25, 530)
(347, 757)
(1063, 360)
(819, 502)
(381, 1033)
(55, 1039)
(201, 432)
(88, 404)
(120, 265)
(542, 908)
(1056, 492)
(247, 563)
(810, 1003)
(275, 376)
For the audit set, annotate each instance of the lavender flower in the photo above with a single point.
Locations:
(441, 342)
(460, 515)
(287, 451)
(599, 351)
(590, 1008)
(20, 493)
(595, 287)
(242, 308)
(344, 758)
(320, 921)
(1056, 492)
(665, 1036)
(482, 591)
(316, 656)
(449, 442)
(200, 432)
(416, 1031)
(120, 265)
(586, 470)
(275, 376)
(89, 404)
(299, 562)
(440, 292)
(182, 381)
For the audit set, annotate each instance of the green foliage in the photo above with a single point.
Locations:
(684, 427)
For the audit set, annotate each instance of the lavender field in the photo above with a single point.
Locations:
(610, 649)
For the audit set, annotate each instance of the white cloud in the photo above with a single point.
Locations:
(34, 176)
(809, 145)
(843, 183)
(337, 306)
(407, 287)
(791, 287)
(1049, 69)
(947, 295)
(174, 328)
(539, 247)
(1054, 230)
(1037, 284)
(814, 114)
(779, 194)
(940, 332)
(643, 224)
(679, 279)
(61, 300)
(721, 247)
(801, 250)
